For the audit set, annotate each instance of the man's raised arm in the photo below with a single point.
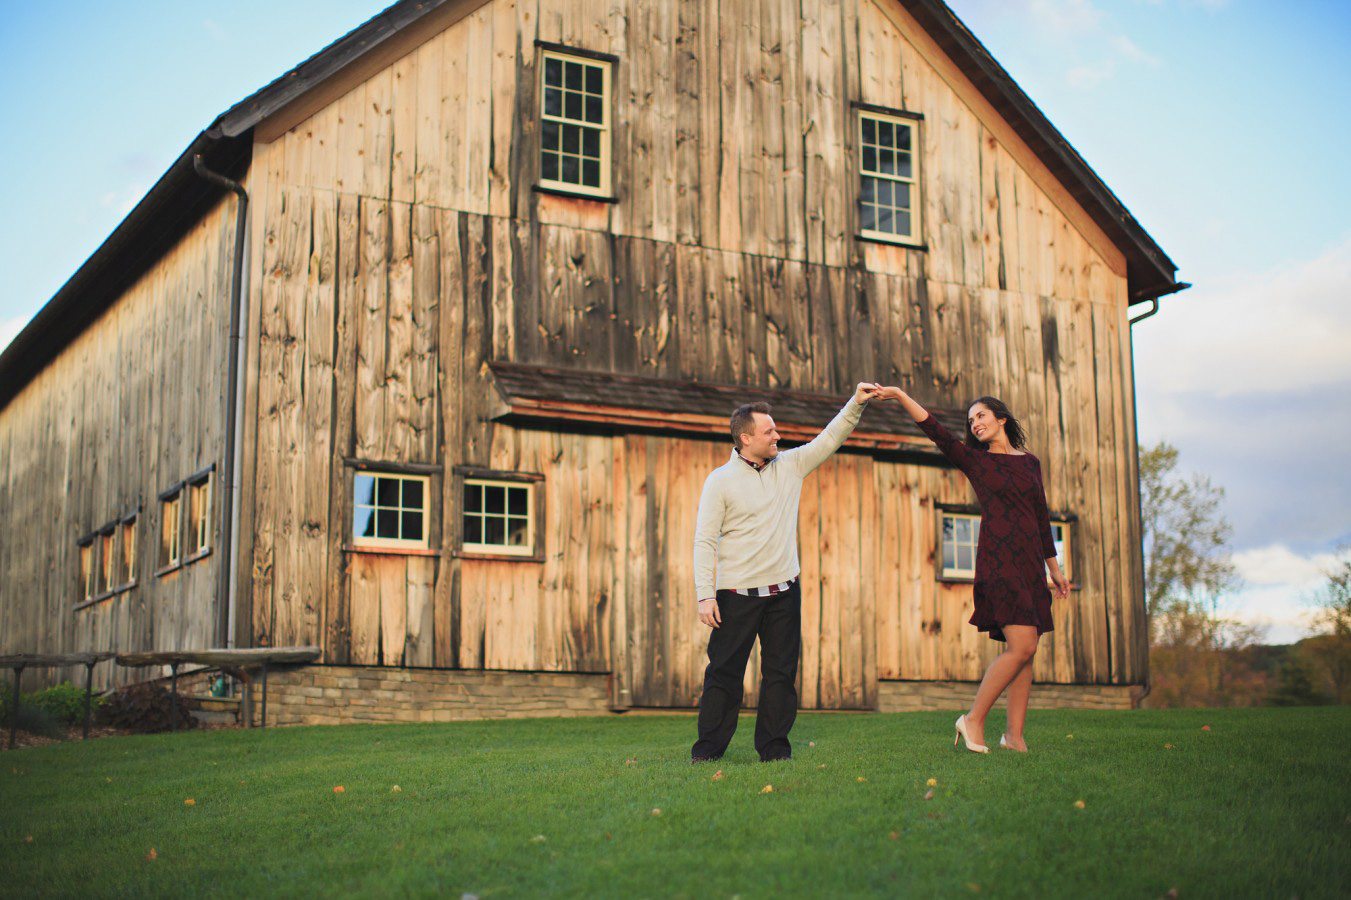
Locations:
(818, 450)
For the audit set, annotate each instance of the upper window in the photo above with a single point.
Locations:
(107, 563)
(87, 575)
(961, 534)
(888, 200)
(389, 510)
(575, 127)
(199, 516)
(499, 517)
(127, 569)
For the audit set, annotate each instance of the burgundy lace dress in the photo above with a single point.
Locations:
(1015, 534)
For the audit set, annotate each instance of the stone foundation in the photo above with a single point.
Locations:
(909, 696)
(343, 695)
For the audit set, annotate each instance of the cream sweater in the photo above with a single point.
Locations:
(746, 532)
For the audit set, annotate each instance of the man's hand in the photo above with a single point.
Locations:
(867, 391)
(708, 613)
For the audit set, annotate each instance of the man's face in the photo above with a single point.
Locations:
(762, 441)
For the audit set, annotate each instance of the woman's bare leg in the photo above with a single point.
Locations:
(1019, 690)
(1022, 646)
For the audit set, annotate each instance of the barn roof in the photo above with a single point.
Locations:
(181, 198)
(634, 402)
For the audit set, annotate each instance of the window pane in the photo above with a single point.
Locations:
(516, 499)
(386, 523)
(869, 159)
(887, 161)
(574, 75)
(964, 561)
(494, 499)
(594, 111)
(473, 498)
(412, 526)
(553, 102)
(590, 173)
(867, 216)
(900, 194)
(902, 223)
(869, 131)
(883, 192)
(975, 530)
(128, 552)
(572, 139)
(412, 494)
(594, 79)
(903, 137)
(553, 71)
(572, 106)
(363, 522)
(365, 490)
(549, 136)
(570, 170)
(962, 530)
(591, 143)
(886, 136)
(473, 530)
(949, 554)
(869, 189)
(516, 532)
(494, 531)
(884, 220)
(548, 169)
(903, 165)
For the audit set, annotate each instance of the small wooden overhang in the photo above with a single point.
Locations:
(606, 400)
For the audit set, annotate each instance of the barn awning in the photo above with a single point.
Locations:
(637, 403)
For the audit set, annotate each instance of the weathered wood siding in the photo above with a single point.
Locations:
(399, 246)
(131, 406)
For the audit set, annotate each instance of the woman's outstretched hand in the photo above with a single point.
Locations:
(1062, 584)
(917, 412)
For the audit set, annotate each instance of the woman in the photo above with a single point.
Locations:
(1014, 552)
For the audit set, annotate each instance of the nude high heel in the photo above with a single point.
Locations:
(961, 736)
(1007, 746)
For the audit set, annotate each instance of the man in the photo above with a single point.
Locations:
(746, 574)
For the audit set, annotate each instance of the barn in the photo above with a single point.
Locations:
(420, 354)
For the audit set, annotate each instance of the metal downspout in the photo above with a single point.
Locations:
(224, 595)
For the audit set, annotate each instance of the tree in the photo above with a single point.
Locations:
(1330, 652)
(1185, 535)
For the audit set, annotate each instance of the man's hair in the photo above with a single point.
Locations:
(743, 421)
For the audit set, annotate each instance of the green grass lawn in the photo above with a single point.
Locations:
(1259, 805)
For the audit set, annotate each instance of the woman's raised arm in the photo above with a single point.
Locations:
(917, 412)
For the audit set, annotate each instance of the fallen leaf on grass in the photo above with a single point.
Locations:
(767, 789)
(822, 766)
(609, 837)
(973, 887)
(338, 789)
(396, 790)
(656, 811)
(929, 794)
(630, 761)
(1205, 727)
(538, 839)
(932, 782)
(28, 839)
(109, 780)
(895, 835)
(1172, 894)
(190, 802)
(1069, 737)
(860, 779)
(717, 776)
(1168, 746)
(1079, 804)
(811, 743)
(152, 855)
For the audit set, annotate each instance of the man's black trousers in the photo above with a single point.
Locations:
(777, 621)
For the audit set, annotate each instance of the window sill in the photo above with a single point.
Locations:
(575, 195)
(391, 551)
(497, 557)
(171, 567)
(892, 242)
(200, 554)
(106, 595)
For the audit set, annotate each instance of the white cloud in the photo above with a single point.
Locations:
(1279, 591)
(1283, 330)
(1066, 16)
(1132, 51)
(1277, 564)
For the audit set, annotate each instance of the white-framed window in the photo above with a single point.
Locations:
(171, 513)
(960, 533)
(1061, 533)
(888, 200)
(575, 123)
(87, 589)
(198, 515)
(127, 566)
(107, 562)
(389, 510)
(499, 517)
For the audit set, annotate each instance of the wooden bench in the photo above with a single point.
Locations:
(238, 662)
(20, 661)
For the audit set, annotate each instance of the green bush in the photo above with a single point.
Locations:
(33, 718)
(64, 702)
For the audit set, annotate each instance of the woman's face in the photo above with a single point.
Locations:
(983, 424)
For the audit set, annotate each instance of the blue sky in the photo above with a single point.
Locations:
(1221, 124)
